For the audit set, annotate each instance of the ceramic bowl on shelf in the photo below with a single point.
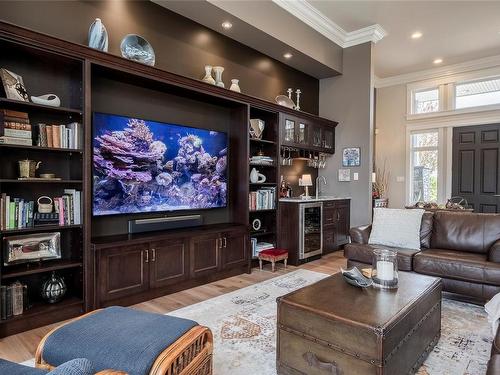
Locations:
(285, 101)
(135, 47)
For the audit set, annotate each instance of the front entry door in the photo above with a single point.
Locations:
(476, 166)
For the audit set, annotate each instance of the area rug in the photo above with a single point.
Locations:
(244, 326)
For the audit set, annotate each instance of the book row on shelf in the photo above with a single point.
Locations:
(17, 213)
(257, 246)
(262, 199)
(16, 129)
(13, 300)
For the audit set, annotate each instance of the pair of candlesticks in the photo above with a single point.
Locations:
(297, 92)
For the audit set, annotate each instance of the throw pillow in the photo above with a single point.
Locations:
(396, 228)
(78, 366)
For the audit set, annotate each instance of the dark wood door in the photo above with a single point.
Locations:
(205, 254)
(234, 249)
(122, 271)
(476, 166)
(168, 262)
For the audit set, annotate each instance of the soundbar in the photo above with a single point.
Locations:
(164, 223)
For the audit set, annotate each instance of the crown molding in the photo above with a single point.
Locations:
(440, 72)
(312, 17)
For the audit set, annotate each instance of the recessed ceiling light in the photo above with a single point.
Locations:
(227, 25)
(438, 61)
(287, 55)
(416, 35)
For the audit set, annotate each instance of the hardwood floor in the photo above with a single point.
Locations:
(21, 347)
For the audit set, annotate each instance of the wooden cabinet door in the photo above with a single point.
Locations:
(343, 224)
(316, 136)
(329, 242)
(328, 140)
(168, 263)
(288, 128)
(234, 249)
(122, 271)
(205, 254)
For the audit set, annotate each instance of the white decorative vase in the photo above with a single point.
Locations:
(235, 85)
(208, 75)
(98, 36)
(218, 76)
(256, 177)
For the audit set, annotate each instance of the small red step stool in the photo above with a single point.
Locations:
(273, 256)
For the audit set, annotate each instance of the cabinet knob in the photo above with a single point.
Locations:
(153, 255)
(225, 242)
(147, 256)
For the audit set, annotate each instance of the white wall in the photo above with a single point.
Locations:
(390, 139)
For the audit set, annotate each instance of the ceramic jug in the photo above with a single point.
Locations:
(256, 177)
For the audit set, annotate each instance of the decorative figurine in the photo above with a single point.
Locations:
(218, 76)
(135, 47)
(51, 100)
(235, 85)
(289, 91)
(208, 75)
(98, 36)
(297, 105)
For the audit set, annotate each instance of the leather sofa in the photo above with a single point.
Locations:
(463, 249)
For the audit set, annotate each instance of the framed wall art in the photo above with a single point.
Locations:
(344, 175)
(13, 85)
(351, 157)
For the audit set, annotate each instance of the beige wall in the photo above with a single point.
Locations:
(349, 100)
(390, 140)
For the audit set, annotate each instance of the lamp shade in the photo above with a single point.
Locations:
(306, 180)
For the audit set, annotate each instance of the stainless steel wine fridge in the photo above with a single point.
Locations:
(310, 229)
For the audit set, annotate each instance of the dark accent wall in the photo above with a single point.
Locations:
(292, 173)
(182, 46)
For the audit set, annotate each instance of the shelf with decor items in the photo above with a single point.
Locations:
(263, 195)
(38, 252)
(84, 78)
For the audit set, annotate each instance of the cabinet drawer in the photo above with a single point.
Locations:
(327, 204)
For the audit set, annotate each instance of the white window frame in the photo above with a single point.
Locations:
(443, 183)
(447, 98)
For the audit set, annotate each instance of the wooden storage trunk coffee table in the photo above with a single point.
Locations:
(333, 328)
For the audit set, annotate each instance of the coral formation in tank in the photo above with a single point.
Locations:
(146, 166)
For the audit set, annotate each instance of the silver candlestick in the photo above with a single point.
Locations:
(289, 91)
(297, 106)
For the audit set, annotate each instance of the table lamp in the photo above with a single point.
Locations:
(306, 181)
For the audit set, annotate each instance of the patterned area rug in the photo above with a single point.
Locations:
(244, 327)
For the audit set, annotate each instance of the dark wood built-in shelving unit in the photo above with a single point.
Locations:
(101, 263)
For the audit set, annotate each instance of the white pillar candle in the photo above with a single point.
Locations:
(385, 270)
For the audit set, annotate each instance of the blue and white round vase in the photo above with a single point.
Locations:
(98, 36)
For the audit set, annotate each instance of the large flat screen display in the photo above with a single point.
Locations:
(147, 166)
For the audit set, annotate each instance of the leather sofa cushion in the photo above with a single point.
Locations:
(469, 232)
(364, 254)
(457, 265)
(494, 253)
(426, 229)
(494, 365)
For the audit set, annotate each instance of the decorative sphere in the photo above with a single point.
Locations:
(54, 289)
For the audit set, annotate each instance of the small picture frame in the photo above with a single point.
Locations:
(13, 85)
(344, 175)
(351, 157)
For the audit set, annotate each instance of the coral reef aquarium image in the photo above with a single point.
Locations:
(147, 166)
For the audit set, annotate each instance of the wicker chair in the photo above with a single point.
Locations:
(191, 354)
